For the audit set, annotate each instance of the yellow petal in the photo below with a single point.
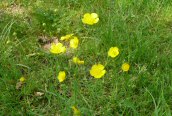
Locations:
(63, 49)
(97, 71)
(61, 76)
(86, 15)
(125, 67)
(94, 15)
(96, 20)
(80, 62)
(101, 74)
(113, 52)
(75, 60)
(63, 38)
(84, 21)
(76, 112)
(100, 67)
(90, 19)
(74, 42)
(66, 37)
(57, 48)
(22, 79)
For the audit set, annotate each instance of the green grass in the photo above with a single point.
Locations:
(141, 29)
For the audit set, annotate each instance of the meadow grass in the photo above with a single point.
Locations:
(141, 29)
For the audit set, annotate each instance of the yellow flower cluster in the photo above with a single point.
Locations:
(57, 48)
(97, 70)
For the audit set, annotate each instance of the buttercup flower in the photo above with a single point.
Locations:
(90, 19)
(57, 48)
(74, 42)
(61, 76)
(76, 112)
(97, 71)
(66, 37)
(125, 67)
(113, 52)
(22, 79)
(77, 60)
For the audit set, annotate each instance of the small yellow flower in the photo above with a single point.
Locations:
(77, 60)
(61, 76)
(125, 67)
(22, 79)
(74, 42)
(66, 37)
(76, 112)
(97, 71)
(57, 48)
(113, 52)
(90, 19)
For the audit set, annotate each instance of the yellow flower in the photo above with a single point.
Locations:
(74, 42)
(66, 37)
(57, 48)
(97, 71)
(77, 60)
(61, 76)
(90, 19)
(113, 52)
(22, 79)
(125, 67)
(76, 112)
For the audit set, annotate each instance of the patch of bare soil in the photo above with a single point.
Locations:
(46, 42)
(15, 10)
